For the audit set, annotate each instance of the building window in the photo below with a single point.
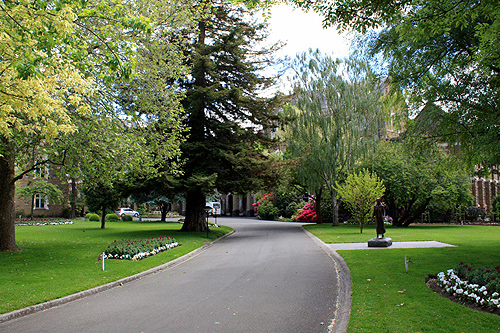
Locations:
(41, 172)
(41, 202)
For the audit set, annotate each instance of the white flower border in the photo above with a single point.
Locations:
(142, 255)
(45, 223)
(462, 289)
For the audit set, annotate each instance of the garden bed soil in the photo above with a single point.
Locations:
(433, 284)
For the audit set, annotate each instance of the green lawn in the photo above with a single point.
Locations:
(386, 299)
(61, 260)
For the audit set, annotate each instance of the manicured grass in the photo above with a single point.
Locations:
(386, 299)
(61, 260)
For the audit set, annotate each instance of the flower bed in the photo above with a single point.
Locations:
(478, 285)
(137, 249)
(41, 221)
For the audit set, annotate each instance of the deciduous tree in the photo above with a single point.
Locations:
(359, 192)
(46, 64)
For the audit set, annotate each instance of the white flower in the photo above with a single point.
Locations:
(495, 294)
(459, 291)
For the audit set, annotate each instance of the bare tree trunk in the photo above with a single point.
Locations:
(103, 218)
(32, 208)
(195, 214)
(73, 198)
(319, 216)
(335, 204)
(7, 192)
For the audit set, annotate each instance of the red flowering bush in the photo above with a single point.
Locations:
(267, 196)
(483, 276)
(265, 208)
(308, 213)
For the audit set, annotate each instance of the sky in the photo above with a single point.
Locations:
(301, 31)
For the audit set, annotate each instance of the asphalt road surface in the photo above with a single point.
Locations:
(266, 277)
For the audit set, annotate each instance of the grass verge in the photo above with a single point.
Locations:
(56, 261)
(386, 299)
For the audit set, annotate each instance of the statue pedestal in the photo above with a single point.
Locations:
(380, 242)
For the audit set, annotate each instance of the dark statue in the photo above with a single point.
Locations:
(378, 213)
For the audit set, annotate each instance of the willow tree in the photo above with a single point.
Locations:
(446, 52)
(334, 121)
(226, 117)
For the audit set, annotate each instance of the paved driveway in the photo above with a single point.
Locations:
(266, 277)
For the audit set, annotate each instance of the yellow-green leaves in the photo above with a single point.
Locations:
(359, 192)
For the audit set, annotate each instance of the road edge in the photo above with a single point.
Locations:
(342, 312)
(69, 298)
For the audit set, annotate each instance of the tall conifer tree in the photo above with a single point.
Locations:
(226, 117)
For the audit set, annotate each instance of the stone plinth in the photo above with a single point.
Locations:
(380, 242)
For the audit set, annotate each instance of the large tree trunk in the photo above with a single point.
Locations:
(163, 211)
(417, 212)
(7, 191)
(195, 214)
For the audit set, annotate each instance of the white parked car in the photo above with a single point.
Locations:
(127, 211)
(215, 208)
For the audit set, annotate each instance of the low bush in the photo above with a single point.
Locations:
(112, 217)
(308, 213)
(127, 218)
(267, 211)
(92, 217)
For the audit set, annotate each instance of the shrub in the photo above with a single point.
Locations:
(495, 204)
(127, 218)
(267, 211)
(308, 213)
(66, 212)
(20, 213)
(292, 208)
(288, 200)
(92, 217)
(112, 217)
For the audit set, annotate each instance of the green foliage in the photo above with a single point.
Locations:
(267, 210)
(92, 217)
(495, 204)
(333, 122)
(415, 176)
(42, 187)
(360, 192)
(227, 118)
(127, 218)
(112, 217)
(288, 200)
